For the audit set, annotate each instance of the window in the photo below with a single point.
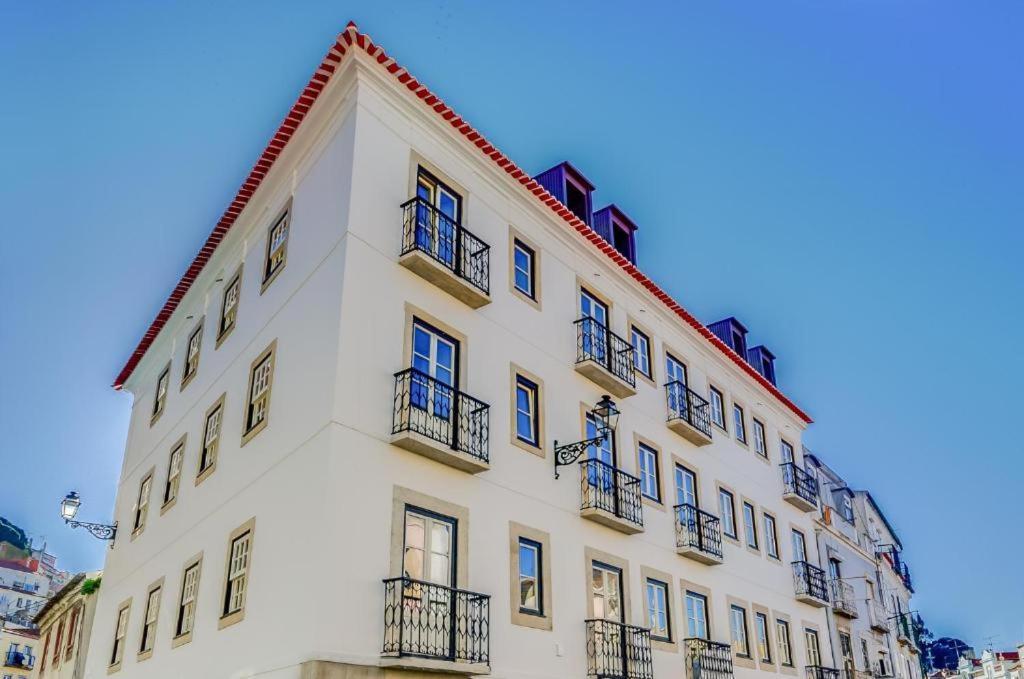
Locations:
(657, 610)
(641, 351)
(738, 420)
(727, 509)
(119, 633)
(650, 484)
(195, 341)
(864, 654)
(764, 651)
(142, 504)
(846, 650)
(771, 537)
(760, 444)
(239, 553)
(149, 621)
(174, 472)
(523, 263)
(750, 525)
(277, 248)
(229, 306)
(813, 649)
(787, 451)
(187, 604)
(527, 418)
(696, 615)
(785, 644)
(211, 437)
(531, 598)
(686, 487)
(717, 408)
(258, 403)
(799, 546)
(160, 399)
(738, 628)
(73, 623)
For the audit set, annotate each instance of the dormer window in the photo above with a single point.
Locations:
(576, 199)
(618, 229)
(570, 187)
(739, 343)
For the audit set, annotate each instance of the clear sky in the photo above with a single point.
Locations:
(845, 176)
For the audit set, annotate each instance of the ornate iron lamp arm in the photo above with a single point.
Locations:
(100, 530)
(570, 452)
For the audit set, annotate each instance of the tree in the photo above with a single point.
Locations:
(945, 652)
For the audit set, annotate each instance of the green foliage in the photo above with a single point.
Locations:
(12, 534)
(91, 586)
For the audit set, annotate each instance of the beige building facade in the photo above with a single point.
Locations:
(65, 628)
(390, 364)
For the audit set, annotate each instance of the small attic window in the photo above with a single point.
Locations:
(768, 369)
(738, 343)
(576, 200)
(623, 241)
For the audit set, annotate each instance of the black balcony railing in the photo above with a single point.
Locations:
(819, 672)
(440, 412)
(604, 487)
(809, 580)
(798, 482)
(425, 620)
(904, 574)
(708, 659)
(428, 230)
(595, 342)
(697, 529)
(618, 651)
(843, 598)
(686, 404)
(19, 660)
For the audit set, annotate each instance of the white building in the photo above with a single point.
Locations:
(367, 368)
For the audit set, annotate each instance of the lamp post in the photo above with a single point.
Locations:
(606, 417)
(69, 510)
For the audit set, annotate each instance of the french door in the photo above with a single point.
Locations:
(434, 355)
(601, 476)
(595, 333)
(799, 546)
(428, 562)
(675, 376)
(696, 616)
(686, 486)
(436, 230)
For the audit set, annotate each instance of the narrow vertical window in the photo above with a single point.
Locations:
(160, 398)
(211, 437)
(657, 610)
(786, 451)
(650, 484)
(174, 472)
(764, 652)
(258, 400)
(740, 423)
(195, 342)
(120, 630)
(750, 525)
(785, 645)
(641, 351)
(527, 419)
(813, 649)
(760, 443)
(142, 504)
(727, 508)
(187, 604)
(277, 248)
(531, 598)
(696, 615)
(771, 537)
(738, 628)
(149, 621)
(717, 407)
(523, 274)
(238, 570)
(229, 306)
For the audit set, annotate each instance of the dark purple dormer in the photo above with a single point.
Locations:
(618, 229)
(732, 332)
(763, 362)
(569, 186)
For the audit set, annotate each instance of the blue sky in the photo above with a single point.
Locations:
(846, 177)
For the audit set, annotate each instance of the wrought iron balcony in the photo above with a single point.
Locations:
(809, 584)
(698, 534)
(844, 601)
(618, 651)
(426, 623)
(904, 574)
(19, 660)
(610, 496)
(799, 487)
(440, 422)
(438, 248)
(605, 358)
(708, 659)
(689, 414)
(879, 616)
(819, 672)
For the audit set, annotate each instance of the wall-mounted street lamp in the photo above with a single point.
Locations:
(69, 510)
(606, 415)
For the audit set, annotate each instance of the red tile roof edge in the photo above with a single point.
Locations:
(349, 38)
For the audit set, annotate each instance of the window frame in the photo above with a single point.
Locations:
(163, 381)
(760, 438)
(250, 428)
(532, 391)
(224, 329)
(764, 646)
(140, 511)
(739, 420)
(530, 272)
(666, 589)
(745, 640)
(784, 640)
(771, 536)
(517, 240)
(173, 482)
(719, 422)
(228, 615)
(208, 456)
(643, 449)
(541, 541)
(270, 273)
(149, 627)
(120, 638)
(647, 370)
(750, 528)
(731, 514)
(180, 616)
(538, 556)
(190, 368)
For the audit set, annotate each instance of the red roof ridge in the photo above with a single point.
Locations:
(346, 39)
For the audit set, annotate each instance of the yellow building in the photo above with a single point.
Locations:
(65, 626)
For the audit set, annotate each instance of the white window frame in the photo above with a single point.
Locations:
(641, 350)
(650, 485)
(658, 608)
(717, 400)
(531, 258)
(727, 508)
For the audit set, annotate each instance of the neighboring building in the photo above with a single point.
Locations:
(366, 368)
(993, 665)
(65, 628)
(20, 652)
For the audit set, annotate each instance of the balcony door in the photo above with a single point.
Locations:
(686, 486)
(696, 616)
(435, 228)
(428, 563)
(607, 592)
(435, 358)
(799, 546)
(601, 477)
(594, 330)
(813, 649)
(675, 377)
